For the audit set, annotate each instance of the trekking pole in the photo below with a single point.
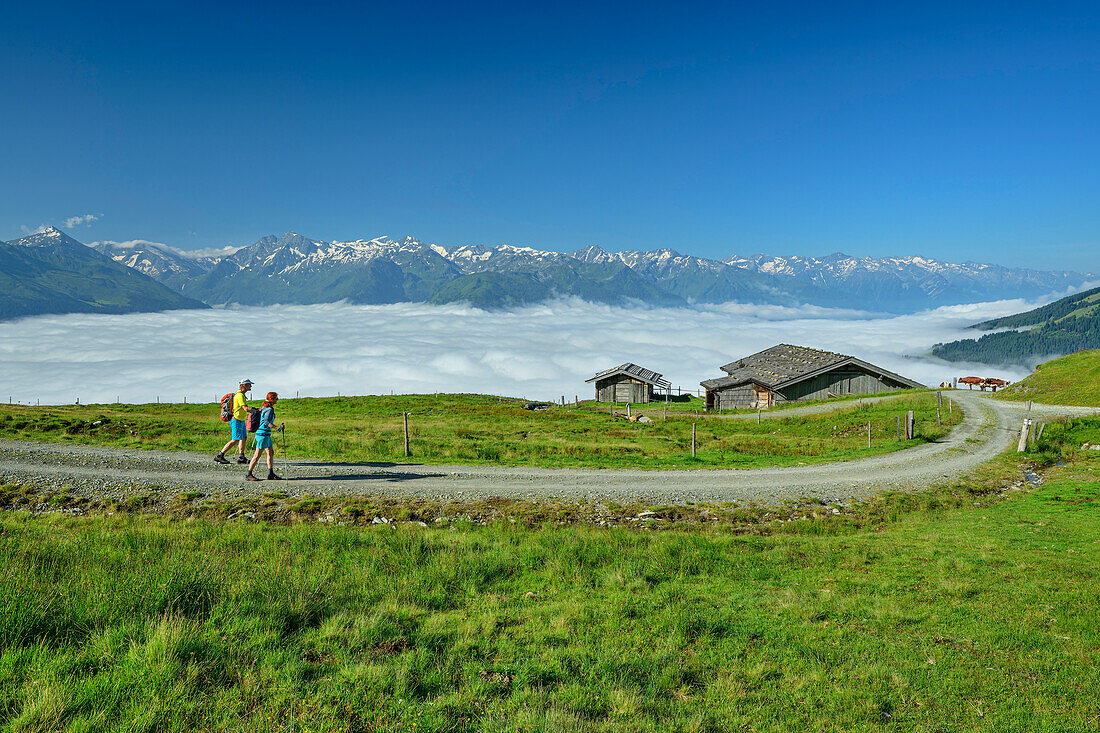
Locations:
(282, 433)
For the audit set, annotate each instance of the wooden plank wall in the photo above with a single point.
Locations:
(733, 397)
(623, 389)
(841, 382)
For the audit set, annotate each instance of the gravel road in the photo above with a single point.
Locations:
(988, 428)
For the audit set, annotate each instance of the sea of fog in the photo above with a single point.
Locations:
(540, 352)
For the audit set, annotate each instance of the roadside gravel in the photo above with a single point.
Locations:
(988, 428)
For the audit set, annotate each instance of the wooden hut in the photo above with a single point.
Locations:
(786, 373)
(628, 383)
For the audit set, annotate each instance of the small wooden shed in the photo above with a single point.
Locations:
(629, 383)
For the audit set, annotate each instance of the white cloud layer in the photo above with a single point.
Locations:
(540, 352)
(190, 253)
(74, 221)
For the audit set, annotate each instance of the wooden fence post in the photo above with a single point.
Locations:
(1024, 430)
(868, 434)
(563, 400)
(899, 428)
(758, 411)
(405, 423)
(909, 426)
(693, 440)
(1039, 432)
(939, 420)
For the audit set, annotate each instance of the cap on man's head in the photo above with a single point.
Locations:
(246, 381)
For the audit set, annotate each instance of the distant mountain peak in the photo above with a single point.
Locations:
(55, 273)
(48, 237)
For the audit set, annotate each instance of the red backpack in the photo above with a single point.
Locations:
(227, 407)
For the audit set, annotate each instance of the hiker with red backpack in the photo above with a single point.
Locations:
(235, 412)
(265, 423)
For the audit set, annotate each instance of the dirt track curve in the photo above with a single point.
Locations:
(988, 428)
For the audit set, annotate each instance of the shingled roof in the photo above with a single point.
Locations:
(633, 370)
(787, 364)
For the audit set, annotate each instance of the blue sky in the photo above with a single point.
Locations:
(957, 131)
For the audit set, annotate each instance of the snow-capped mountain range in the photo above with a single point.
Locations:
(295, 269)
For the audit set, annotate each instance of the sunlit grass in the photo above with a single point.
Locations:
(477, 429)
(939, 616)
(1069, 380)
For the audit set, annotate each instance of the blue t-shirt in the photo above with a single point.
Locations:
(267, 417)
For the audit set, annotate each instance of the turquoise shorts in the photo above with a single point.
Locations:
(237, 430)
(263, 441)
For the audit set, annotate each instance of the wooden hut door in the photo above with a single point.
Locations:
(764, 397)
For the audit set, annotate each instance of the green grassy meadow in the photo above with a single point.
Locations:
(1069, 380)
(969, 607)
(478, 429)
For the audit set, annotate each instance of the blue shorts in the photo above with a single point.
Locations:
(263, 441)
(237, 429)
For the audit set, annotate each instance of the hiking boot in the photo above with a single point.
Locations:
(241, 459)
(220, 458)
(272, 477)
(250, 477)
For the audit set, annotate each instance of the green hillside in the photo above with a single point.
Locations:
(1062, 327)
(1070, 380)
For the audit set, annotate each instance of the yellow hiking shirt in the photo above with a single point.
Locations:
(240, 407)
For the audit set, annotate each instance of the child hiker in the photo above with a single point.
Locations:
(263, 439)
(237, 431)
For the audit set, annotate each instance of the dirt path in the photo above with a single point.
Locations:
(988, 428)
